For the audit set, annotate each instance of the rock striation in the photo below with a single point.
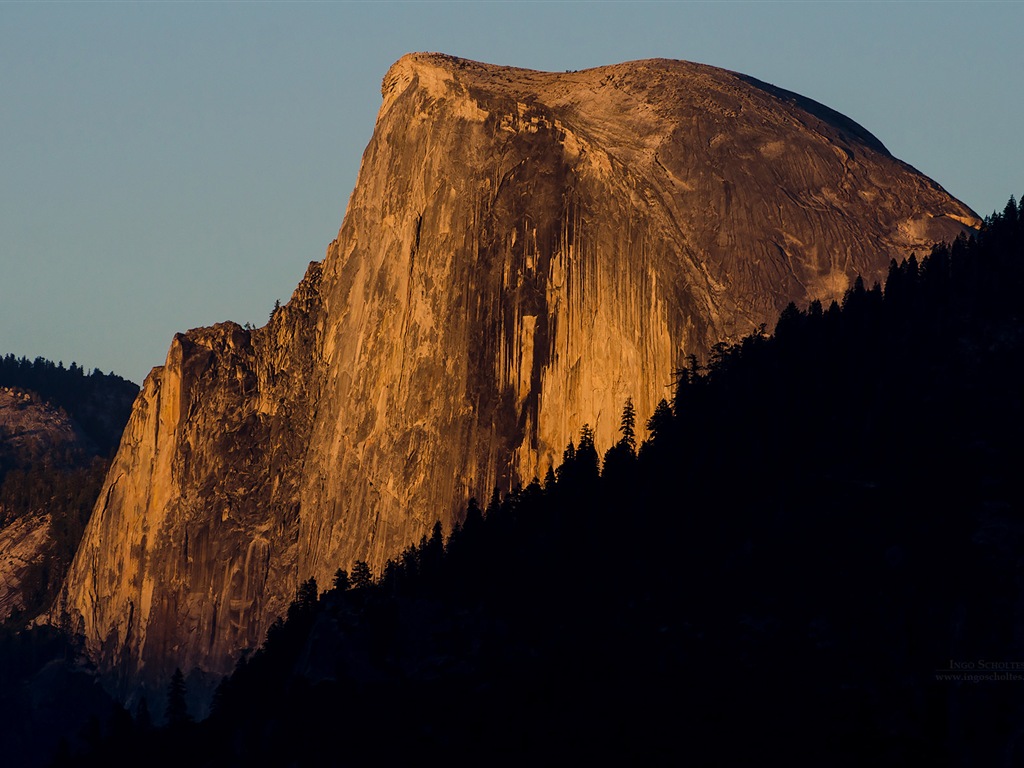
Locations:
(522, 252)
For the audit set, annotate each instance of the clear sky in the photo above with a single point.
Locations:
(170, 165)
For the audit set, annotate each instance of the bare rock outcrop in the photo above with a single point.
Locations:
(195, 554)
(522, 252)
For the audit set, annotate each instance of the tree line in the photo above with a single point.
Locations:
(99, 402)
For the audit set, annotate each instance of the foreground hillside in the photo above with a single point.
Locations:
(812, 560)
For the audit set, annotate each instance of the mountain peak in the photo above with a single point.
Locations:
(523, 252)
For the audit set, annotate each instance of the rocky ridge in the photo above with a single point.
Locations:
(522, 252)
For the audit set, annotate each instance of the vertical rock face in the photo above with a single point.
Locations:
(194, 554)
(522, 252)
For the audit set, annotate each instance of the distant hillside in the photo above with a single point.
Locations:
(58, 427)
(99, 402)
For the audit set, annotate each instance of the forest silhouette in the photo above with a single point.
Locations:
(815, 549)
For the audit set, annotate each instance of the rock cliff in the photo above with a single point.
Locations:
(522, 252)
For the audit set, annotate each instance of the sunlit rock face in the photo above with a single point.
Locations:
(522, 252)
(193, 553)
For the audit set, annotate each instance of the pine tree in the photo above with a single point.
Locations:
(495, 503)
(660, 424)
(474, 518)
(567, 468)
(177, 708)
(549, 478)
(627, 426)
(341, 581)
(307, 594)
(362, 576)
(306, 598)
(1011, 211)
(586, 454)
(620, 459)
(431, 554)
(143, 721)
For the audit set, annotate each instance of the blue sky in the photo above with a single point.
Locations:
(170, 165)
